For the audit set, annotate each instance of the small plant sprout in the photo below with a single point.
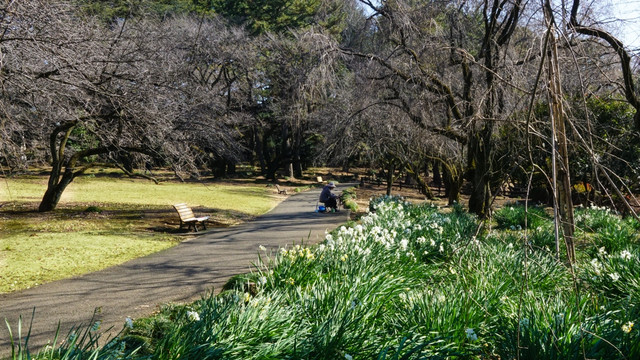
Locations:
(96, 326)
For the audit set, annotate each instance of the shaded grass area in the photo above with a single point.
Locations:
(104, 221)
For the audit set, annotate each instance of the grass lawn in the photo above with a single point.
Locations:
(103, 221)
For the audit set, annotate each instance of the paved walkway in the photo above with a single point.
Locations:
(180, 274)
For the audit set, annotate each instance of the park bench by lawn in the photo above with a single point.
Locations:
(280, 190)
(188, 218)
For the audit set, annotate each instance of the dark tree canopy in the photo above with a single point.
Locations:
(260, 16)
(109, 10)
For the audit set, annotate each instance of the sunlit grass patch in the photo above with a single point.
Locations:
(22, 190)
(39, 257)
(247, 199)
(113, 192)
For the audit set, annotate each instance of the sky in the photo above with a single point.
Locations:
(628, 13)
(625, 17)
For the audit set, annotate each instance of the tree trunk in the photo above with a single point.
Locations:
(297, 167)
(437, 178)
(260, 151)
(625, 60)
(390, 171)
(563, 185)
(286, 149)
(453, 180)
(271, 172)
(55, 188)
(231, 167)
(422, 185)
(57, 181)
(480, 164)
(218, 167)
(297, 150)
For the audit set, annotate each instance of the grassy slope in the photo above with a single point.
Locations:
(136, 219)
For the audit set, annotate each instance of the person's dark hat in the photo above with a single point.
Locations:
(331, 184)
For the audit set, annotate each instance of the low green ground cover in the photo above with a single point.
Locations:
(411, 282)
(103, 221)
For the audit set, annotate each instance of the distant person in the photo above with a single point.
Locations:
(329, 199)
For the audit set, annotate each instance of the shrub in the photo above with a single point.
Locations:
(375, 201)
(513, 216)
(594, 218)
(348, 199)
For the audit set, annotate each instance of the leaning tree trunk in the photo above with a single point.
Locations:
(630, 91)
(422, 185)
(55, 188)
(58, 181)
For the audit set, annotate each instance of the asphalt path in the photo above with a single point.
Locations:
(181, 274)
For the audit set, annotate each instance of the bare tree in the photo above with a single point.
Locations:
(465, 74)
(630, 92)
(99, 91)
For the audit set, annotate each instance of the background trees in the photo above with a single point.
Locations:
(88, 90)
(403, 87)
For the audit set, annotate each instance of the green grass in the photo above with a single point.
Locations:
(40, 258)
(110, 193)
(104, 221)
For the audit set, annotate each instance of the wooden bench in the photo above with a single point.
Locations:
(188, 218)
(281, 191)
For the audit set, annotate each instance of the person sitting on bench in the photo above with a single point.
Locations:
(329, 199)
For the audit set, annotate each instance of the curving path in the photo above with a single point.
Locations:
(180, 274)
